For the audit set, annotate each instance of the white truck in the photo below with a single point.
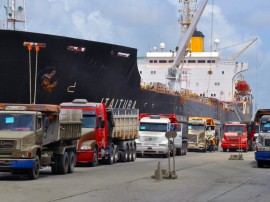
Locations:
(262, 153)
(152, 132)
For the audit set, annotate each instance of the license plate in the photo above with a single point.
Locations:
(232, 145)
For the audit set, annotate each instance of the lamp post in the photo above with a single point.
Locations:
(37, 47)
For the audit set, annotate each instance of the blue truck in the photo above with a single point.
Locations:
(262, 153)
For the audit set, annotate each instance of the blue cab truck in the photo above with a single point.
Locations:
(262, 153)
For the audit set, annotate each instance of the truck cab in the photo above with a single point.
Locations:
(152, 130)
(94, 130)
(196, 134)
(234, 137)
(262, 153)
(34, 136)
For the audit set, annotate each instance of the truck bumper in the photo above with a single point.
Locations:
(232, 146)
(16, 163)
(151, 149)
(85, 156)
(196, 146)
(262, 156)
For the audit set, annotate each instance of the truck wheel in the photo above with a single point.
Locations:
(63, 163)
(178, 152)
(71, 164)
(129, 150)
(116, 154)
(33, 173)
(134, 154)
(124, 155)
(224, 149)
(260, 164)
(95, 158)
(110, 159)
(55, 165)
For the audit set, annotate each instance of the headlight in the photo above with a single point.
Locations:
(85, 147)
(23, 154)
(163, 145)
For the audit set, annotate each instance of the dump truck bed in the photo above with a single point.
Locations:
(126, 123)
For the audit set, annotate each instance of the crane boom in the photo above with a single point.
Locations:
(245, 48)
(182, 45)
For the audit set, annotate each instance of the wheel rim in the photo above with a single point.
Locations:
(95, 157)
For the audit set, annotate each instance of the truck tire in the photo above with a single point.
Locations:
(110, 159)
(55, 165)
(124, 155)
(71, 164)
(134, 154)
(95, 158)
(224, 149)
(116, 154)
(179, 152)
(129, 150)
(260, 164)
(63, 163)
(33, 173)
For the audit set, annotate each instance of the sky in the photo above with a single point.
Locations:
(144, 24)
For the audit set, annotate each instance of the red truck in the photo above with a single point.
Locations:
(107, 134)
(235, 135)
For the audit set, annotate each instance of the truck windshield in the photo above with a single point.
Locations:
(158, 127)
(265, 127)
(17, 122)
(89, 121)
(234, 129)
(195, 127)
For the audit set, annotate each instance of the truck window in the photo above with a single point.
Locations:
(265, 127)
(16, 122)
(158, 127)
(195, 127)
(89, 121)
(234, 129)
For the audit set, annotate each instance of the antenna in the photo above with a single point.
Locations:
(15, 15)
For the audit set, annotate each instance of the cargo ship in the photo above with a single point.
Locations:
(39, 68)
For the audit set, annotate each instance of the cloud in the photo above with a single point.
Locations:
(92, 26)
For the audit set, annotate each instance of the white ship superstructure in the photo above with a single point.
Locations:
(193, 72)
(203, 74)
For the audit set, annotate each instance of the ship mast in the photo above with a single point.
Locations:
(15, 15)
(189, 23)
(187, 10)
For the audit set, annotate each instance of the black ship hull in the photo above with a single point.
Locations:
(70, 68)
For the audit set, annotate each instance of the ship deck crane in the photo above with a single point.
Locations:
(243, 50)
(182, 45)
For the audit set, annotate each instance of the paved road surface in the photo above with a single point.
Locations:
(201, 177)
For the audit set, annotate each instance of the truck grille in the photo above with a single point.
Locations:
(267, 142)
(192, 138)
(149, 139)
(7, 144)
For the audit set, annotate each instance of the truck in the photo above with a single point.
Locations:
(200, 131)
(108, 134)
(35, 136)
(237, 135)
(262, 153)
(152, 139)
